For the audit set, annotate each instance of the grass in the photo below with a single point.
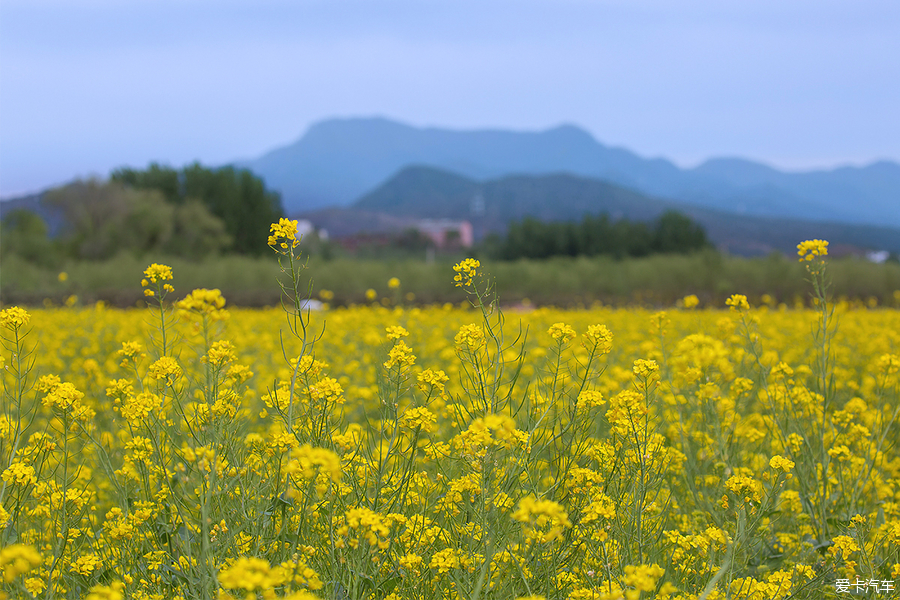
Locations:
(653, 281)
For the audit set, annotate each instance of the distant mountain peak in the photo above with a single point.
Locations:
(571, 131)
(339, 160)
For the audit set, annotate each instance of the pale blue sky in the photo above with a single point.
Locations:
(88, 85)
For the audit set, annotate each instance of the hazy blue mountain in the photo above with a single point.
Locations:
(863, 194)
(339, 160)
(427, 192)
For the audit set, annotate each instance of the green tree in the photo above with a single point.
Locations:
(676, 233)
(196, 233)
(105, 218)
(156, 177)
(24, 233)
(595, 235)
(236, 196)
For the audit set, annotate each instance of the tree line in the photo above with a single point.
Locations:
(191, 212)
(595, 235)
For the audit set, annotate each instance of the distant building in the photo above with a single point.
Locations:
(446, 233)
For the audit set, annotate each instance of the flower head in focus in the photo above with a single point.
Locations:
(284, 234)
(14, 317)
(465, 272)
(811, 249)
(155, 274)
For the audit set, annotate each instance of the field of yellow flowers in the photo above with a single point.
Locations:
(195, 451)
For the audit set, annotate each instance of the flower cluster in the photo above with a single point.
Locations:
(490, 431)
(14, 317)
(470, 337)
(400, 355)
(543, 520)
(283, 234)
(466, 271)
(203, 301)
(812, 249)
(420, 418)
(308, 461)
(738, 302)
(561, 332)
(156, 274)
(598, 338)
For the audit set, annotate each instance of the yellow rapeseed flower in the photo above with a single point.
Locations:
(466, 271)
(395, 332)
(690, 301)
(470, 336)
(283, 234)
(888, 364)
(14, 317)
(157, 272)
(780, 463)
(645, 369)
(19, 474)
(561, 332)
(86, 564)
(433, 379)
(251, 574)
(843, 544)
(220, 352)
(203, 301)
(400, 354)
(745, 488)
(599, 338)
(811, 249)
(642, 578)
(165, 368)
(131, 352)
(64, 397)
(113, 591)
(137, 408)
(308, 461)
(590, 399)
(419, 417)
(543, 520)
(738, 302)
(17, 559)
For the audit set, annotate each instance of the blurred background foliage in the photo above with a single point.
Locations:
(652, 281)
(211, 224)
(192, 213)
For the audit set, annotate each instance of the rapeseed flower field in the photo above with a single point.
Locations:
(196, 451)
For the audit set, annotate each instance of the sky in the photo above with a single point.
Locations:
(87, 86)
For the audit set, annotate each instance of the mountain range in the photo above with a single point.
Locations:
(421, 192)
(373, 174)
(338, 161)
